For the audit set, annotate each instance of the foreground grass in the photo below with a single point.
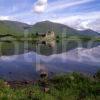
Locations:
(62, 87)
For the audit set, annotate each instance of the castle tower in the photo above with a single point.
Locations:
(50, 35)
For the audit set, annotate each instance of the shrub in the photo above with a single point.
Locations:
(97, 75)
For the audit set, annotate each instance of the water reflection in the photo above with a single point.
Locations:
(43, 47)
(27, 66)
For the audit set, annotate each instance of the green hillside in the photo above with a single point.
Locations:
(17, 28)
(45, 26)
(12, 28)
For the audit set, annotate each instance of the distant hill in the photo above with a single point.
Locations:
(90, 32)
(17, 28)
(50, 26)
(12, 28)
(45, 26)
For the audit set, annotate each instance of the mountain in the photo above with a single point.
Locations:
(90, 32)
(45, 26)
(17, 28)
(50, 26)
(12, 27)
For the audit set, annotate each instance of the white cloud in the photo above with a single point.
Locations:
(81, 21)
(95, 25)
(58, 5)
(40, 6)
(4, 18)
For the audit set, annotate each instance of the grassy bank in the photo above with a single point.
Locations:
(72, 86)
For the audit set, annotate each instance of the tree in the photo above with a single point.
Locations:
(97, 75)
(37, 33)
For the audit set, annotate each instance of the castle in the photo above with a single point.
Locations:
(50, 35)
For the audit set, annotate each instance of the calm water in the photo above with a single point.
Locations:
(34, 57)
(44, 48)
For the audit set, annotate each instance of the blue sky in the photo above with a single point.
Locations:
(79, 14)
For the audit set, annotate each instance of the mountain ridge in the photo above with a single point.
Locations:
(17, 28)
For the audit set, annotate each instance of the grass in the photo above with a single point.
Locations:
(72, 86)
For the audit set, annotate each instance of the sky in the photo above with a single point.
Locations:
(78, 14)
